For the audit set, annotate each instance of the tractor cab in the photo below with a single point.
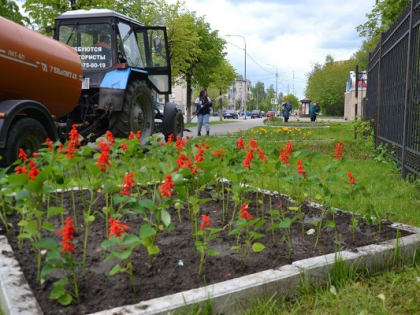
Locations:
(124, 63)
(107, 40)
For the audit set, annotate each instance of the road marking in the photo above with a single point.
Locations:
(18, 60)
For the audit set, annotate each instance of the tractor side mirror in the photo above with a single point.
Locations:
(157, 44)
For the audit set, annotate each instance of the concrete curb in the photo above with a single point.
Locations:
(15, 295)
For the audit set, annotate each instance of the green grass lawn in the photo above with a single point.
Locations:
(386, 195)
(216, 122)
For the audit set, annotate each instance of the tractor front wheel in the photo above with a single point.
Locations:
(136, 114)
(173, 121)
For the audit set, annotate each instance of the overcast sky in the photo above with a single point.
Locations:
(291, 34)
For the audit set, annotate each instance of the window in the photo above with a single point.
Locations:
(129, 46)
(91, 41)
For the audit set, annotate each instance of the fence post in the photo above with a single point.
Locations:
(407, 92)
(378, 92)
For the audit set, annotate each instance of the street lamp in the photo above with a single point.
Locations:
(277, 75)
(246, 89)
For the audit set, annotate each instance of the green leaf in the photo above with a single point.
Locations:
(146, 231)
(53, 211)
(110, 242)
(153, 250)
(23, 194)
(31, 227)
(330, 224)
(17, 179)
(257, 247)
(65, 299)
(47, 243)
(212, 252)
(130, 239)
(294, 208)
(116, 269)
(122, 255)
(166, 218)
(59, 288)
(285, 224)
(48, 226)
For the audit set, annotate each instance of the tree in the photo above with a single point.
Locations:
(381, 18)
(211, 53)
(10, 10)
(258, 96)
(327, 84)
(223, 77)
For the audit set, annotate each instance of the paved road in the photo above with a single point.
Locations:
(222, 129)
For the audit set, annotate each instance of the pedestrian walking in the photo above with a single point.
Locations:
(287, 108)
(314, 110)
(202, 110)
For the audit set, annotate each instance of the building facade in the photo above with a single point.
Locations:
(238, 93)
(353, 106)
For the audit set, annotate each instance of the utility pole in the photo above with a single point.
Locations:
(293, 83)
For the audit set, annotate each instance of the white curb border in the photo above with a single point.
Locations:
(228, 296)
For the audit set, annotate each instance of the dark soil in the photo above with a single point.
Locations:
(165, 275)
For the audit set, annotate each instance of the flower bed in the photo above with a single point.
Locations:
(123, 242)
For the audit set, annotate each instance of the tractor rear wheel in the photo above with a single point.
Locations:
(136, 114)
(173, 121)
(26, 133)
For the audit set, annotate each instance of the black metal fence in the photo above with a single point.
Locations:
(394, 90)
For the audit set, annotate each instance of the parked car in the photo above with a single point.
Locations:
(256, 113)
(230, 113)
(271, 114)
(263, 113)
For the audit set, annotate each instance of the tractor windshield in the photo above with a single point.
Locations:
(91, 41)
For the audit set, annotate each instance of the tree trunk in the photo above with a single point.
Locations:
(189, 92)
(220, 106)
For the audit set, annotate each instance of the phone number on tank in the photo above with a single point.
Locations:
(94, 65)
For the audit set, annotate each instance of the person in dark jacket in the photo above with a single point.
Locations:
(314, 110)
(286, 111)
(202, 110)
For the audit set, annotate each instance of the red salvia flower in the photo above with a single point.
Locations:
(199, 156)
(247, 161)
(22, 155)
(220, 153)
(289, 148)
(301, 169)
(253, 144)
(116, 228)
(21, 170)
(35, 155)
(138, 134)
(205, 221)
(74, 142)
(131, 135)
(128, 183)
(60, 148)
(338, 154)
(284, 156)
(170, 138)
(33, 170)
(110, 137)
(180, 143)
(352, 180)
(103, 159)
(124, 146)
(240, 143)
(166, 188)
(244, 214)
(49, 144)
(67, 236)
(261, 155)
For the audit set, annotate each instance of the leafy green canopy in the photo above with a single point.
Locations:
(10, 10)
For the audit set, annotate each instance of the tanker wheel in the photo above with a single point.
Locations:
(26, 133)
(173, 121)
(136, 114)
